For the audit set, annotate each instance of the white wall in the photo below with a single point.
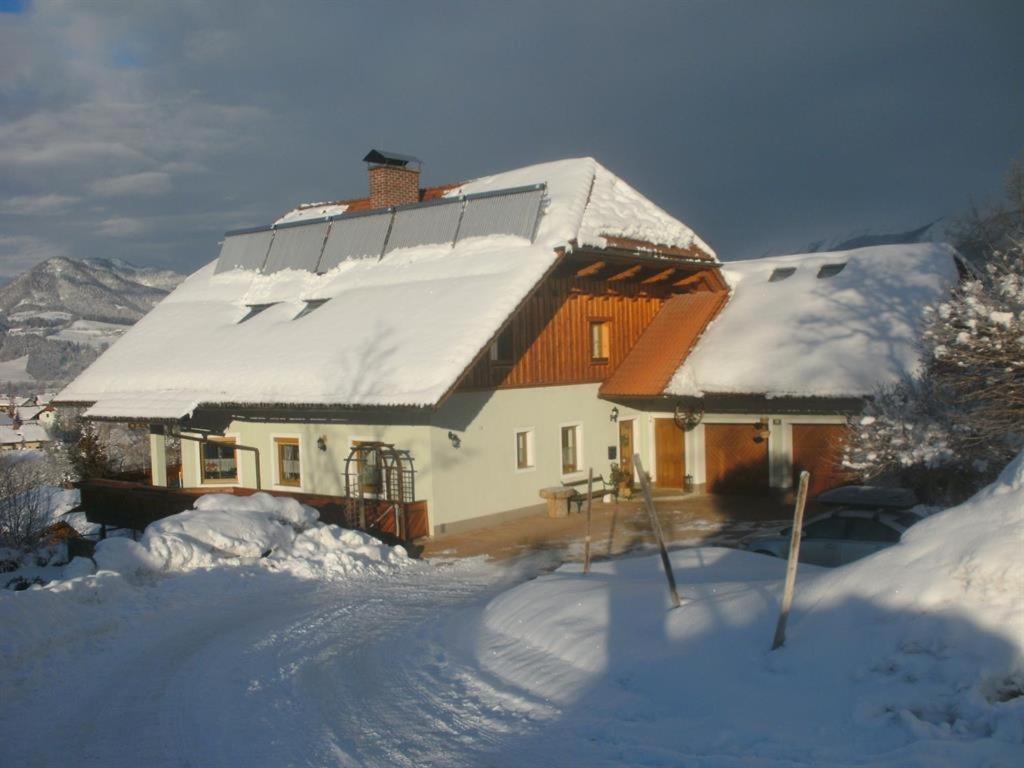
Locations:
(480, 476)
(321, 471)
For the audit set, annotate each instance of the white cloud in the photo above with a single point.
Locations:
(37, 205)
(121, 226)
(21, 252)
(145, 183)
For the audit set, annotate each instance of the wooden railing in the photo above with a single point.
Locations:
(135, 505)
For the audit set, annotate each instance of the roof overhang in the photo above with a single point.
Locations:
(162, 409)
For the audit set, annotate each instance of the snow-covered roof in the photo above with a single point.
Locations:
(788, 332)
(26, 433)
(395, 331)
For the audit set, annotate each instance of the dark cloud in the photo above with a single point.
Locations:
(145, 130)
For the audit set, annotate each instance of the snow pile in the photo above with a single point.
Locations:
(913, 656)
(805, 335)
(278, 533)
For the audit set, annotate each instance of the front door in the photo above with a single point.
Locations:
(668, 453)
(626, 449)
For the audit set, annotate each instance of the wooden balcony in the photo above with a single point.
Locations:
(126, 504)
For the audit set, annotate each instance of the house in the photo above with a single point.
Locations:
(26, 436)
(456, 349)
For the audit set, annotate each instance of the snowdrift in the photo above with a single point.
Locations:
(223, 530)
(914, 656)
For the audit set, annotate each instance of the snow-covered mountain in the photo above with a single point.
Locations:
(56, 318)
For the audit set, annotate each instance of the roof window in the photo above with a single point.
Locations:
(311, 304)
(255, 309)
(781, 273)
(830, 270)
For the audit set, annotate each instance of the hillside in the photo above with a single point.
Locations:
(56, 318)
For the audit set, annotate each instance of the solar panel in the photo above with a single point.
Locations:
(425, 225)
(244, 250)
(356, 237)
(296, 247)
(513, 212)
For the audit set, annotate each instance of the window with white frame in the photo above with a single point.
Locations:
(288, 470)
(524, 449)
(571, 448)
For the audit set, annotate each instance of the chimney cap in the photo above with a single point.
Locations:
(382, 157)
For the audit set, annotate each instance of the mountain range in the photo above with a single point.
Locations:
(57, 317)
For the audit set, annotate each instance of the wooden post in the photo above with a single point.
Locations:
(590, 502)
(656, 525)
(794, 558)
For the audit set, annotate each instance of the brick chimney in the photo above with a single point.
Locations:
(394, 178)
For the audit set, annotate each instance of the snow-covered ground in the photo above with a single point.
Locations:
(202, 651)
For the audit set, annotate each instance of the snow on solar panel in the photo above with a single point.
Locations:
(296, 247)
(425, 225)
(246, 250)
(509, 213)
(356, 237)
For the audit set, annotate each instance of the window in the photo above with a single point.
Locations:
(570, 449)
(255, 309)
(863, 529)
(599, 340)
(287, 450)
(217, 460)
(781, 273)
(524, 449)
(829, 528)
(311, 304)
(830, 270)
(502, 351)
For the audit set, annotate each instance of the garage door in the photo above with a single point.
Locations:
(818, 448)
(737, 458)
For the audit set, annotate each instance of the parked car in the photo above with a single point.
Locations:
(863, 520)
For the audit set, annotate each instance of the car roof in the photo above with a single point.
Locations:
(894, 519)
(869, 497)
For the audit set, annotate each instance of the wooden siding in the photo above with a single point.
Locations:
(551, 333)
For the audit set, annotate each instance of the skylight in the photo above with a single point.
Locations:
(830, 270)
(781, 273)
(311, 304)
(255, 309)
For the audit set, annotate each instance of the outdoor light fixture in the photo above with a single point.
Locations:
(321, 442)
(456, 442)
(762, 430)
(615, 414)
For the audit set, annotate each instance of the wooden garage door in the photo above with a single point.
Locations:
(818, 448)
(668, 453)
(736, 458)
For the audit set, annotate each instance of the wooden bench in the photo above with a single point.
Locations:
(600, 489)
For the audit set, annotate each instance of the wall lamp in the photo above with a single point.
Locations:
(615, 414)
(456, 441)
(321, 442)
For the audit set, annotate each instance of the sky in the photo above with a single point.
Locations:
(143, 130)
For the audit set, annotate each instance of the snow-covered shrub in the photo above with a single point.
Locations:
(27, 479)
(948, 430)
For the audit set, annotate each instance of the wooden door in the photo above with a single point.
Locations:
(736, 458)
(818, 448)
(669, 454)
(626, 449)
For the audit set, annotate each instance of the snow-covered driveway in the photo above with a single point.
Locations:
(229, 668)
